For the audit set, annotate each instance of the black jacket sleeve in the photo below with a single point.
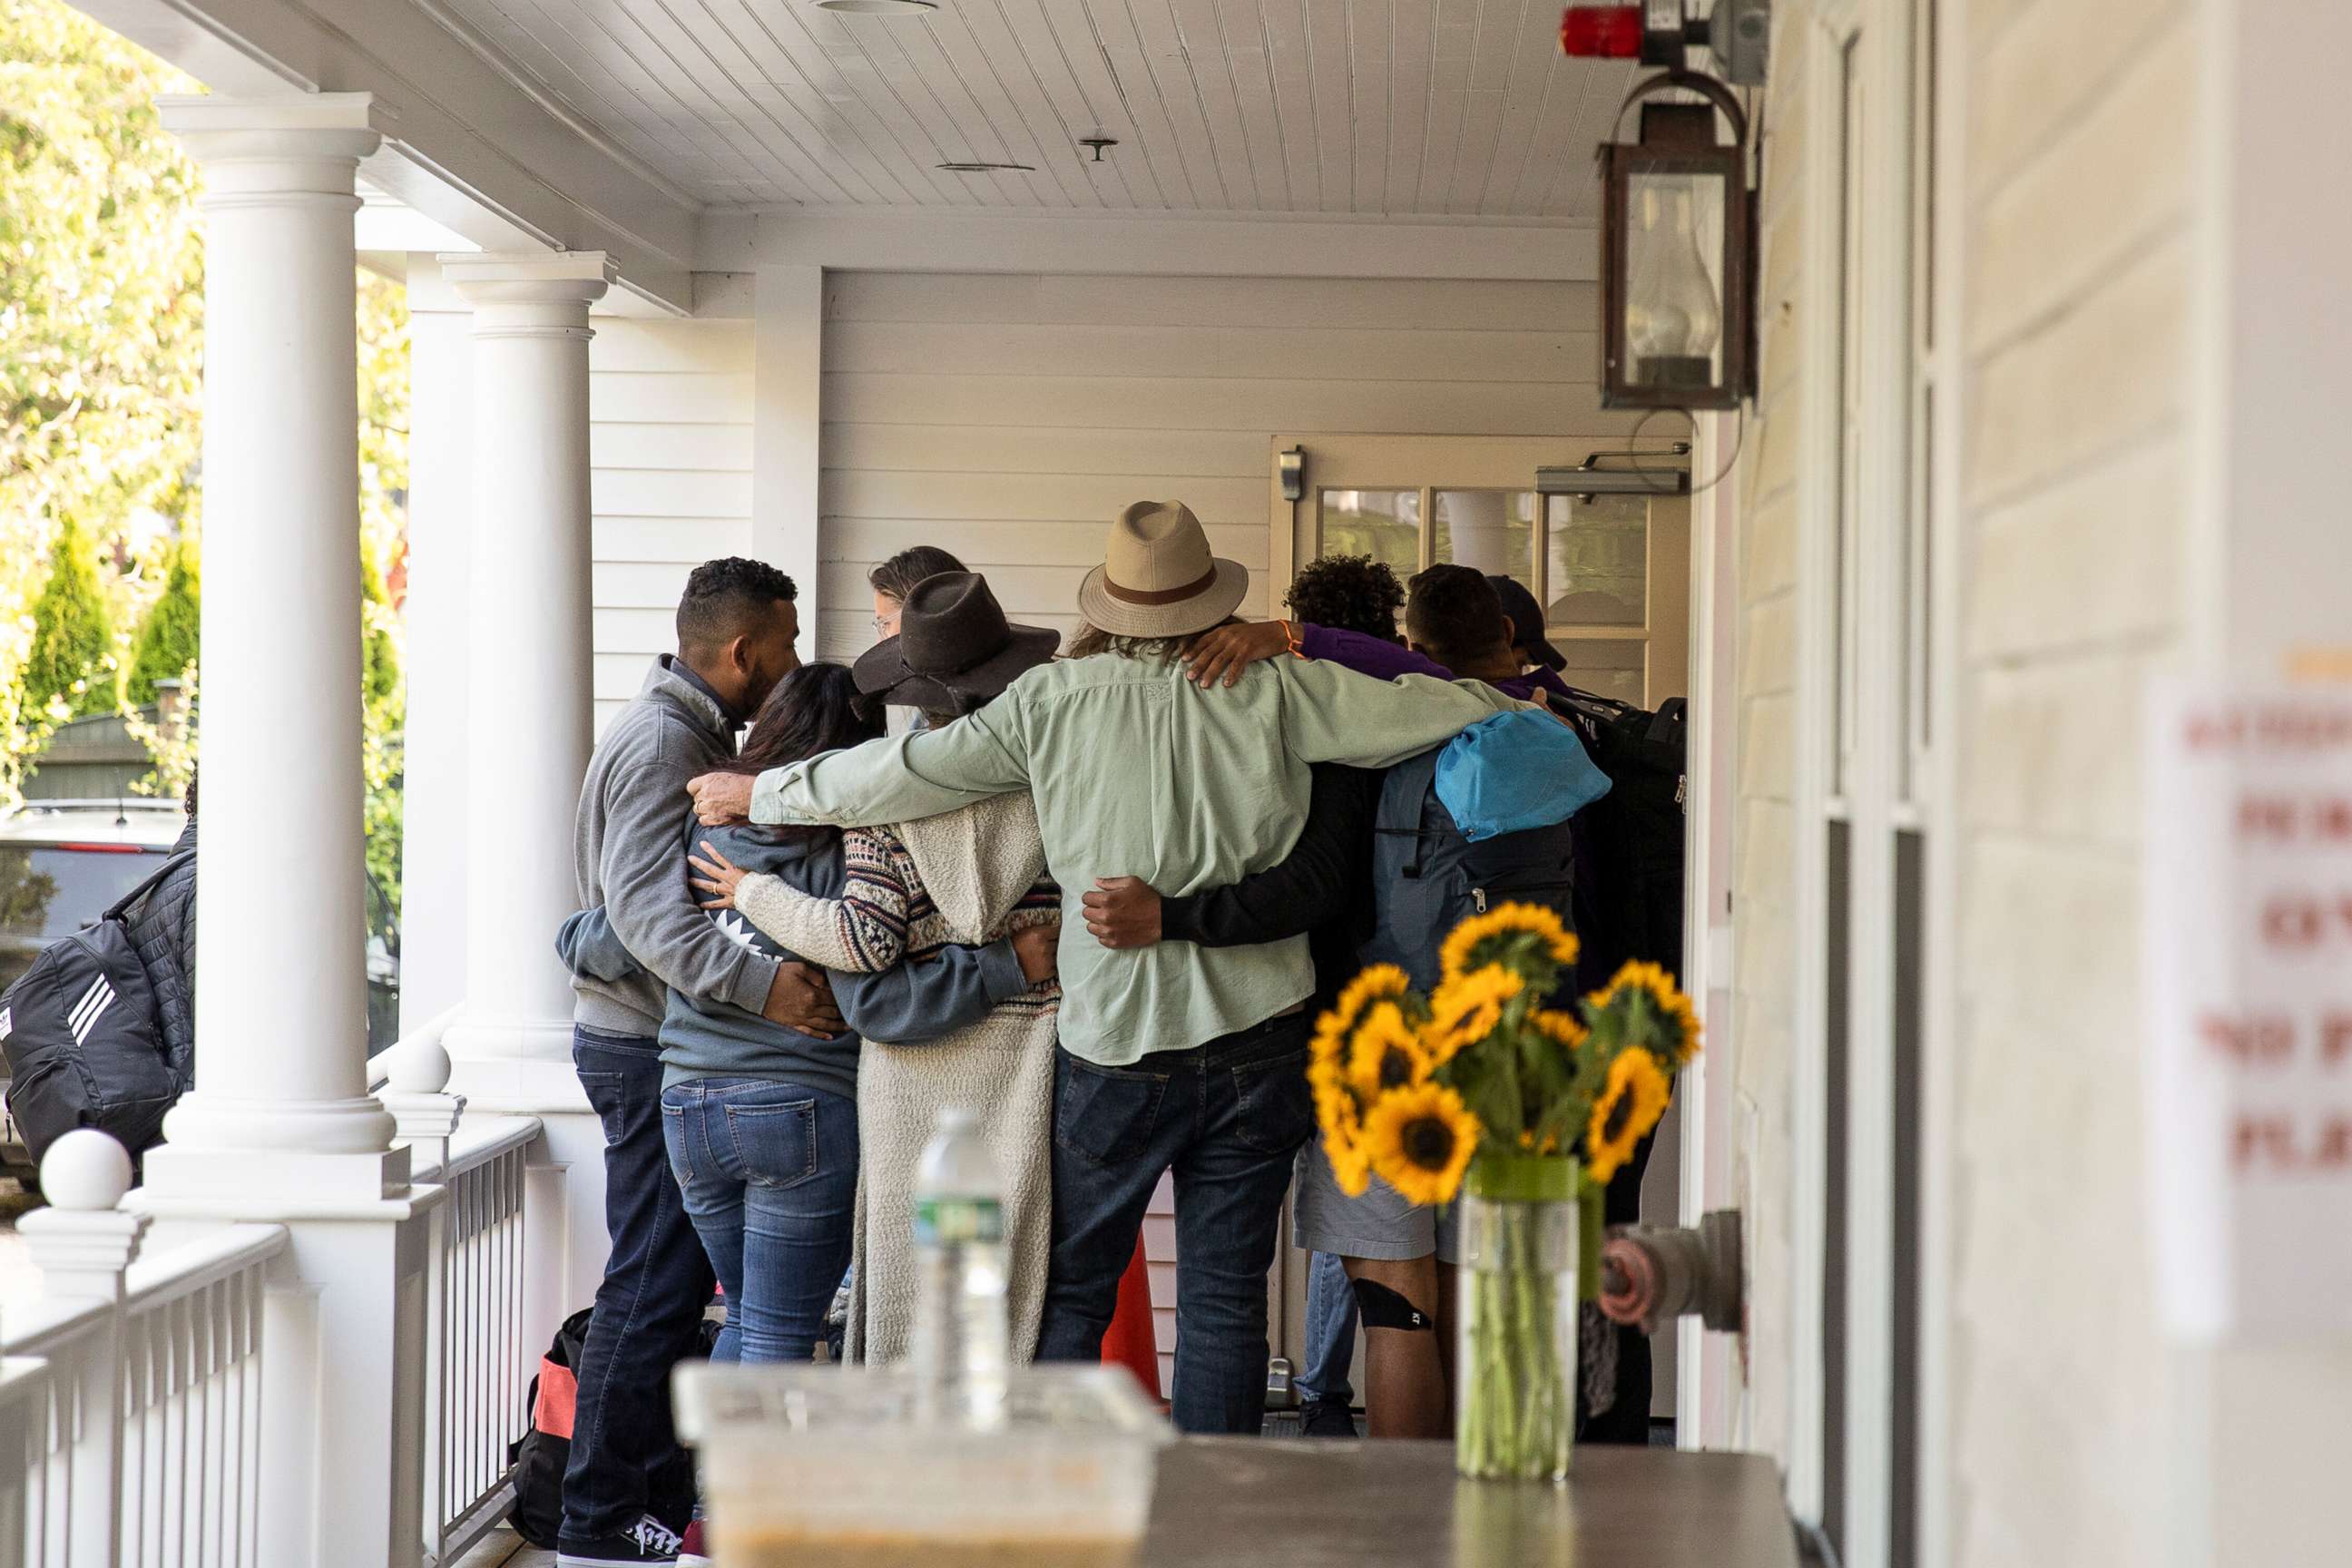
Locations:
(1318, 883)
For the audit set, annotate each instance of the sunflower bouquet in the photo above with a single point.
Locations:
(1483, 1086)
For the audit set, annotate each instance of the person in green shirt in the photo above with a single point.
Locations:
(1174, 1057)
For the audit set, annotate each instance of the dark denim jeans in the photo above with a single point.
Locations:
(1226, 1118)
(656, 1284)
(770, 1174)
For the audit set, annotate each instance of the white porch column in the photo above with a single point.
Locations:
(279, 1126)
(440, 676)
(281, 1002)
(529, 624)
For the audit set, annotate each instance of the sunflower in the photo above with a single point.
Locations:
(1388, 1054)
(1343, 1127)
(1628, 1108)
(1678, 1020)
(1421, 1137)
(1382, 982)
(1465, 1009)
(1562, 1027)
(1460, 954)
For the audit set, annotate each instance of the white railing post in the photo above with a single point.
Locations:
(426, 1117)
(83, 1244)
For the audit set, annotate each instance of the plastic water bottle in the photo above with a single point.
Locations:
(961, 1348)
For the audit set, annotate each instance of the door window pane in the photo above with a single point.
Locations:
(1600, 560)
(1612, 667)
(1383, 524)
(1492, 531)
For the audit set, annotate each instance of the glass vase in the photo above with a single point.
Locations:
(1514, 1376)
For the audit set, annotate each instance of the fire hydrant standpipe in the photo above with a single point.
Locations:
(1651, 1275)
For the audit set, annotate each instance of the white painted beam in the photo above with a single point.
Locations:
(965, 240)
(389, 225)
(788, 355)
(466, 143)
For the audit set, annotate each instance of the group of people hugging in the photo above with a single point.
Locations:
(1092, 893)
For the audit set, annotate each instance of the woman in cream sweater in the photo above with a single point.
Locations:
(969, 876)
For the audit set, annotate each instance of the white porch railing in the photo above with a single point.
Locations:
(130, 1396)
(28, 1436)
(475, 1350)
(131, 1410)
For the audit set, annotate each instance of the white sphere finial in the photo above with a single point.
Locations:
(85, 1170)
(418, 1066)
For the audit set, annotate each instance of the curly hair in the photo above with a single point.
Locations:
(726, 598)
(1350, 593)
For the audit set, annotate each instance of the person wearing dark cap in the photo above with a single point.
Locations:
(912, 891)
(1535, 650)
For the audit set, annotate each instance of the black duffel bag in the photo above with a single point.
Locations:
(79, 1032)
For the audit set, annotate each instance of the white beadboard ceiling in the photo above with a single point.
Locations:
(1399, 108)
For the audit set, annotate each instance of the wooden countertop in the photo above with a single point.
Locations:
(1311, 1503)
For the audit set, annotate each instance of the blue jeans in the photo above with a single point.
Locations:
(1330, 1332)
(1227, 1117)
(649, 1308)
(770, 1174)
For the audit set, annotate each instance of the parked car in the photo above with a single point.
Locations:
(64, 862)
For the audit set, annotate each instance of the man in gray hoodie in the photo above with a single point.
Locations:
(736, 629)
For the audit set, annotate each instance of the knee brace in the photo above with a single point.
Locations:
(1381, 1307)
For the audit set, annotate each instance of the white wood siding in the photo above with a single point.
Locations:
(670, 483)
(1009, 418)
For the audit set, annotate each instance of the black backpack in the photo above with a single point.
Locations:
(79, 1029)
(1629, 885)
(1429, 877)
(544, 1450)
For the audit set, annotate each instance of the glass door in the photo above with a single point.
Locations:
(1612, 573)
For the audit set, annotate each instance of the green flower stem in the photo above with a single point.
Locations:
(1518, 1408)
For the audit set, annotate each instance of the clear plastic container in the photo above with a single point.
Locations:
(840, 1466)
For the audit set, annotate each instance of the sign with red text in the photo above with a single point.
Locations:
(2247, 986)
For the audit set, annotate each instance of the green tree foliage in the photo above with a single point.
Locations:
(69, 672)
(102, 305)
(101, 291)
(165, 649)
(383, 544)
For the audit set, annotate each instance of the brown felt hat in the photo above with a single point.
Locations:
(954, 649)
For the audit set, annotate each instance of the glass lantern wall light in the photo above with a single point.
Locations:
(1678, 254)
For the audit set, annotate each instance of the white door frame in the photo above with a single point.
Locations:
(1857, 764)
(1708, 1411)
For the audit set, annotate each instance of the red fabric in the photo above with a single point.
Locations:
(1130, 1340)
(559, 1391)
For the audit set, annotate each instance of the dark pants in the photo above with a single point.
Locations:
(657, 1283)
(1227, 1117)
(770, 1174)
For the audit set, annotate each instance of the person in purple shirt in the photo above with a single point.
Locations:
(1438, 599)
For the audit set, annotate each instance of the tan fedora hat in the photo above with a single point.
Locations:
(1157, 578)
